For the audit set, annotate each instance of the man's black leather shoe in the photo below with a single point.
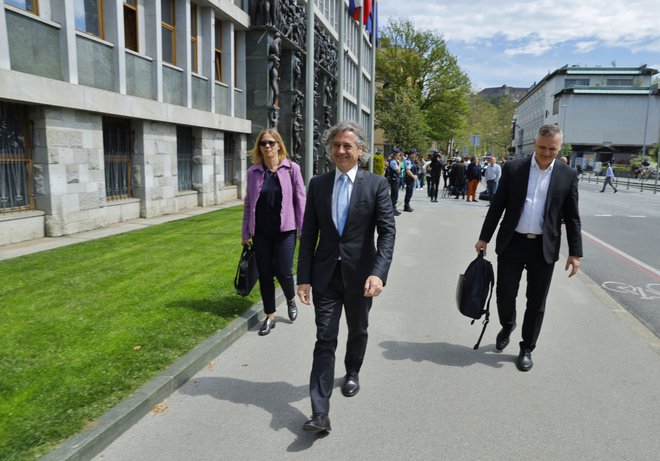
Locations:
(320, 422)
(268, 325)
(351, 384)
(292, 308)
(408, 209)
(524, 362)
(502, 339)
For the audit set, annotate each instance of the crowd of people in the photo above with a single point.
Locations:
(409, 171)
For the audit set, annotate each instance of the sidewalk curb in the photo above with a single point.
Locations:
(89, 443)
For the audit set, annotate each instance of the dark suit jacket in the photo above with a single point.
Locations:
(370, 209)
(561, 202)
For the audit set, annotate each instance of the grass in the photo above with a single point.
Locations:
(86, 325)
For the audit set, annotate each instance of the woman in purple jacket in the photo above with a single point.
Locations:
(272, 218)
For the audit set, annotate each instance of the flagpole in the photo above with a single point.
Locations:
(374, 18)
(341, 15)
(309, 94)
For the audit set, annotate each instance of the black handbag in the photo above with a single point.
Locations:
(246, 272)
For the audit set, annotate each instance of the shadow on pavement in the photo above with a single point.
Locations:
(452, 355)
(273, 397)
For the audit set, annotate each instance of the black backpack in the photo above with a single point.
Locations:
(474, 290)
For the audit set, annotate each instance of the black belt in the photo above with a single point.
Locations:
(529, 236)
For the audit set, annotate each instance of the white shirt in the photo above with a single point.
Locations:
(531, 219)
(352, 173)
(493, 172)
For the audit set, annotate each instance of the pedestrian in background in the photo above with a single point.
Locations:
(342, 262)
(436, 166)
(457, 178)
(473, 176)
(609, 176)
(394, 178)
(409, 178)
(272, 217)
(492, 175)
(534, 194)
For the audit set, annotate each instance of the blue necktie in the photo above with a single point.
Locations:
(342, 202)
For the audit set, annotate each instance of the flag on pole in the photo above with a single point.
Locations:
(372, 23)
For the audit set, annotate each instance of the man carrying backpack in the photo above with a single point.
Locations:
(535, 194)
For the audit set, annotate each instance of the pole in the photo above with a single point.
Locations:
(309, 94)
(646, 123)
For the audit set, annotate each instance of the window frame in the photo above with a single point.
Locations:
(132, 6)
(24, 158)
(171, 28)
(34, 10)
(101, 20)
(194, 52)
(218, 50)
(185, 152)
(121, 158)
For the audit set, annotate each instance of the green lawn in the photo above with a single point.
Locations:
(86, 325)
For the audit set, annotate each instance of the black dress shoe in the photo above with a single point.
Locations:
(292, 308)
(524, 362)
(502, 339)
(320, 422)
(351, 384)
(397, 212)
(268, 325)
(408, 209)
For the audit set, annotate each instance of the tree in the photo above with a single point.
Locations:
(421, 82)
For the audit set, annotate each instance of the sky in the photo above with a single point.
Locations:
(517, 43)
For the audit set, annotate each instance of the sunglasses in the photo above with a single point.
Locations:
(267, 143)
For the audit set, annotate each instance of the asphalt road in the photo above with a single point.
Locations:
(621, 234)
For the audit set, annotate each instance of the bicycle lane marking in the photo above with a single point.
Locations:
(626, 258)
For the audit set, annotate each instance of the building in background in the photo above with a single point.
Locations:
(114, 110)
(515, 93)
(607, 114)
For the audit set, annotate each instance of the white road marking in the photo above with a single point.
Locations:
(626, 256)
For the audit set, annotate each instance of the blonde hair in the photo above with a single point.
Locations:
(257, 157)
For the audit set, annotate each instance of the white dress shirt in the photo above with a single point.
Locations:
(531, 219)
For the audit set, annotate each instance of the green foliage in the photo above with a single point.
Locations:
(423, 95)
(379, 164)
(85, 326)
(566, 150)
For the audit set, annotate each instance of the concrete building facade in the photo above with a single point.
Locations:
(117, 109)
(606, 113)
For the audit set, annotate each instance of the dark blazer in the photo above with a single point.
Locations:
(561, 202)
(370, 209)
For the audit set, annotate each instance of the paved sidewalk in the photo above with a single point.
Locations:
(426, 394)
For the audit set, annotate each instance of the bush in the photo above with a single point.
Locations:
(379, 164)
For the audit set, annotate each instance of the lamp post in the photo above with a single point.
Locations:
(646, 122)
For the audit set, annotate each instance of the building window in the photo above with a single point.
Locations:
(130, 25)
(168, 31)
(27, 5)
(89, 16)
(619, 82)
(218, 50)
(117, 155)
(571, 82)
(193, 37)
(185, 144)
(15, 159)
(230, 155)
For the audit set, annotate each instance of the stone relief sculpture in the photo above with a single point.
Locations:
(274, 50)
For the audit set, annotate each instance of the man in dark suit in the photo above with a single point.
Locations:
(535, 194)
(340, 260)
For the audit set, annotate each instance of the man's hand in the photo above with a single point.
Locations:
(481, 245)
(303, 293)
(574, 263)
(373, 286)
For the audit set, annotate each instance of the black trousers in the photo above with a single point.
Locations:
(394, 191)
(434, 182)
(410, 186)
(523, 253)
(275, 259)
(327, 307)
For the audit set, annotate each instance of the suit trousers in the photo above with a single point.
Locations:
(327, 307)
(523, 253)
(274, 257)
